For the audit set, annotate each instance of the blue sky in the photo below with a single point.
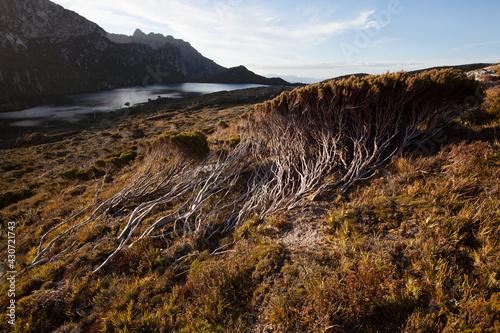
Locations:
(316, 38)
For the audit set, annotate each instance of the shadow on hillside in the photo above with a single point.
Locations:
(488, 134)
(453, 134)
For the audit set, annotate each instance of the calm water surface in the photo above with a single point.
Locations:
(76, 107)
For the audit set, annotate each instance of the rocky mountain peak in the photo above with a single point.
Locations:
(49, 50)
(154, 40)
(138, 33)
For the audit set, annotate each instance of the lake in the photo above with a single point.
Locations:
(76, 107)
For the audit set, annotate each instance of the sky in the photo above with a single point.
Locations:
(315, 39)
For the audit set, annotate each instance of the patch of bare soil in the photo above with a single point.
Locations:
(304, 226)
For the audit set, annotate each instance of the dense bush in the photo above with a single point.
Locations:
(192, 144)
(350, 127)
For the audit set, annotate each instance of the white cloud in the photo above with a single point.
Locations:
(229, 29)
(331, 28)
(234, 32)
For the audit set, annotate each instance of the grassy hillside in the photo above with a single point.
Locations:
(369, 204)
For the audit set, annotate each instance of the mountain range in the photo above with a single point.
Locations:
(46, 50)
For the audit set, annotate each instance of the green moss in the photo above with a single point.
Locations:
(84, 174)
(39, 201)
(118, 159)
(69, 173)
(194, 144)
(233, 142)
(266, 258)
(128, 156)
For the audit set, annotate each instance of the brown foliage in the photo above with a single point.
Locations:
(357, 124)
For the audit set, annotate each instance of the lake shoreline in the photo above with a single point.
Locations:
(11, 136)
(74, 107)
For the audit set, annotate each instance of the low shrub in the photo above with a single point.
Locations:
(84, 174)
(192, 144)
(11, 197)
(491, 103)
(487, 112)
(117, 160)
(39, 201)
(351, 127)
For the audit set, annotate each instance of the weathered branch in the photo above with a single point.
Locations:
(325, 136)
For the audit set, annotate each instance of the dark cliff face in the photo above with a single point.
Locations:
(43, 19)
(48, 50)
(190, 62)
(154, 40)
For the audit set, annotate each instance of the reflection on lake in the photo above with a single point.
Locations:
(76, 107)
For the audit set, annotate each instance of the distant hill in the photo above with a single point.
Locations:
(465, 68)
(343, 77)
(295, 79)
(241, 74)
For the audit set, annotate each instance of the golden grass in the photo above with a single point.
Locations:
(414, 249)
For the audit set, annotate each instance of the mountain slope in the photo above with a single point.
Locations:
(238, 74)
(41, 18)
(48, 50)
(194, 64)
